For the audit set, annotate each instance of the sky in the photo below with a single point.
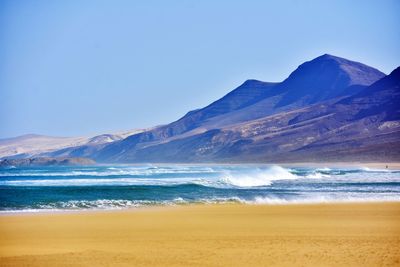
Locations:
(81, 67)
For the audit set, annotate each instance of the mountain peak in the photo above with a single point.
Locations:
(327, 56)
(327, 77)
(358, 73)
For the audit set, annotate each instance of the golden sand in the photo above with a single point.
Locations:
(207, 235)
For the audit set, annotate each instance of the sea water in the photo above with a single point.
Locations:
(118, 187)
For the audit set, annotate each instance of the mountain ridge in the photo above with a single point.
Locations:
(268, 101)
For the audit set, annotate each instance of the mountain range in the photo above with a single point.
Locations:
(328, 109)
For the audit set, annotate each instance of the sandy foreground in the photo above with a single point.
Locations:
(207, 235)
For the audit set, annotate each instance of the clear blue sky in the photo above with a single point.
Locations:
(87, 67)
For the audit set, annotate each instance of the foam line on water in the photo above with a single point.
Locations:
(120, 204)
(111, 171)
(99, 182)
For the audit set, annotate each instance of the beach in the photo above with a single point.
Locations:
(352, 234)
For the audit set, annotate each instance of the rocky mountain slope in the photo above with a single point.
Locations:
(257, 121)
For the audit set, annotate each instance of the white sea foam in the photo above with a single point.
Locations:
(111, 171)
(367, 169)
(120, 204)
(323, 169)
(98, 182)
(258, 177)
(317, 175)
(330, 198)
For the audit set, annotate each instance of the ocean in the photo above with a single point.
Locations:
(36, 189)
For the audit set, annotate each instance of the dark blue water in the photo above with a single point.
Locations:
(117, 187)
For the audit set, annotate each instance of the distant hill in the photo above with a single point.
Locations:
(328, 109)
(29, 145)
(33, 162)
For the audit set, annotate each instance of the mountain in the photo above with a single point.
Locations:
(362, 127)
(323, 79)
(328, 109)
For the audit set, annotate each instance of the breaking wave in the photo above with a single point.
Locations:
(258, 177)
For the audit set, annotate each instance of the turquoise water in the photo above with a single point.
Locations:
(119, 187)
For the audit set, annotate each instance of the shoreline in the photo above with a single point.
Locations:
(379, 165)
(345, 234)
(159, 207)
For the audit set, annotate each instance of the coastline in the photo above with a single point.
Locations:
(377, 165)
(329, 234)
(34, 212)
